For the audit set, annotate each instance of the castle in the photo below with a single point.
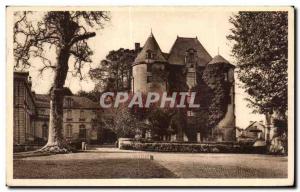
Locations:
(154, 70)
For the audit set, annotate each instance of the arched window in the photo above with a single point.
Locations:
(149, 54)
(82, 132)
(69, 131)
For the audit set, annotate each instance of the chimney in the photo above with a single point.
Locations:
(137, 47)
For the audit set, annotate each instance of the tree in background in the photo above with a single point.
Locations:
(67, 33)
(261, 51)
(92, 95)
(115, 72)
(160, 121)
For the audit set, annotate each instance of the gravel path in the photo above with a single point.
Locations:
(193, 165)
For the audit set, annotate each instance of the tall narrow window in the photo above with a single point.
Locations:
(81, 113)
(149, 79)
(82, 132)
(81, 116)
(149, 68)
(190, 57)
(226, 76)
(69, 114)
(69, 102)
(69, 131)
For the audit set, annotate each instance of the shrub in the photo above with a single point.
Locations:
(191, 147)
(179, 147)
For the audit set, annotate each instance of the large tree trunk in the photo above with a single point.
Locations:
(268, 127)
(56, 142)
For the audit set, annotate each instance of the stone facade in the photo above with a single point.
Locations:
(24, 109)
(31, 115)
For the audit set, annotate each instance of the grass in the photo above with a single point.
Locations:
(89, 169)
(203, 170)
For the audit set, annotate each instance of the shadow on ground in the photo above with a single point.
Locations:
(89, 169)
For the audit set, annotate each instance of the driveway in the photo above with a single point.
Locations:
(193, 165)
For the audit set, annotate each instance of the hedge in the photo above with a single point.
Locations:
(192, 148)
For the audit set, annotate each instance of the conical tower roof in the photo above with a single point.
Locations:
(218, 59)
(152, 46)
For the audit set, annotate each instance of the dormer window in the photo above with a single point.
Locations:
(226, 76)
(190, 57)
(149, 54)
(69, 102)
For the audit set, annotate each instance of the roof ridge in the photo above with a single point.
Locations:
(187, 37)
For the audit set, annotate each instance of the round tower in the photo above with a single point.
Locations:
(227, 125)
(149, 68)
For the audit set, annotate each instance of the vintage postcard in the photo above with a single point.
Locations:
(150, 96)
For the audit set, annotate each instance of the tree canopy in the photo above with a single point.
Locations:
(114, 73)
(261, 51)
(67, 32)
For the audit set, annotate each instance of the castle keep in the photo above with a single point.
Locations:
(181, 70)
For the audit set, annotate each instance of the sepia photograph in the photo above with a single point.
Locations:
(150, 96)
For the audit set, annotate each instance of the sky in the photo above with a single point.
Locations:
(130, 25)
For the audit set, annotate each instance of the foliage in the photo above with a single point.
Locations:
(177, 79)
(218, 93)
(123, 122)
(61, 30)
(191, 148)
(65, 32)
(92, 95)
(261, 50)
(212, 93)
(115, 72)
(281, 125)
(159, 120)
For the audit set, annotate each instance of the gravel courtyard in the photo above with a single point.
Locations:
(167, 165)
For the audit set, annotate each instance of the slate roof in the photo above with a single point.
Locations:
(253, 126)
(43, 101)
(182, 44)
(151, 44)
(82, 102)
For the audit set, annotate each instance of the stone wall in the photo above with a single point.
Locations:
(139, 73)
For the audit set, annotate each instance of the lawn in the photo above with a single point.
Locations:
(206, 170)
(89, 169)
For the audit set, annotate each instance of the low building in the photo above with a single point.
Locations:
(254, 131)
(78, 119)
